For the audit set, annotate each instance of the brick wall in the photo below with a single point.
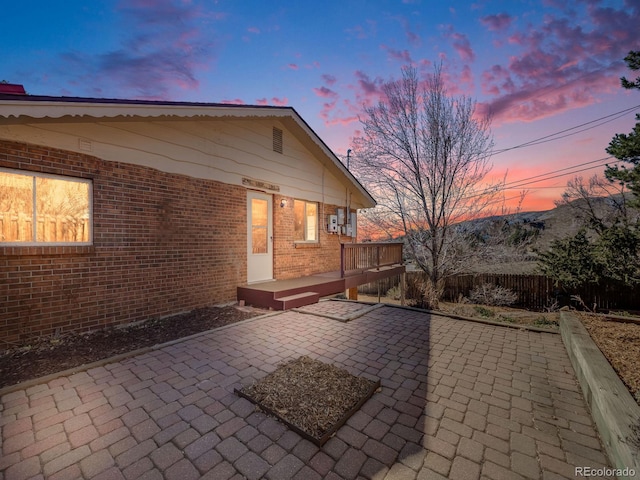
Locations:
(292, 259)
(162, 244)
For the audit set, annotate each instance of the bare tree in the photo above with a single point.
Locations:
(600, 204)
(425, 156)
(607, 247)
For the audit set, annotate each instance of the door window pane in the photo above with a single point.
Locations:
(259, 225)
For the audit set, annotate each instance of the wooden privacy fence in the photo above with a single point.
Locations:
(49, 228)
(537, 292)
(534, 292)
(385, 284)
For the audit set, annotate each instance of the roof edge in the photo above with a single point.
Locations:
(153, 108)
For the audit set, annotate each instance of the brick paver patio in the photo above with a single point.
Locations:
(459, 400)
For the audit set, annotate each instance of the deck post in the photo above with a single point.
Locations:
(352, 293)
(403, 286)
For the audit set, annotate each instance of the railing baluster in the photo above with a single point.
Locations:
(364, 256)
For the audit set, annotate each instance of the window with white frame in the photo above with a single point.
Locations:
(305, 221)
(41, 209)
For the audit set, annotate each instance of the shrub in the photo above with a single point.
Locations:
(494, 295)
(421, 292)
(394, 293)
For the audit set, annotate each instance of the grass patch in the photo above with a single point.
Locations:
(484, 311)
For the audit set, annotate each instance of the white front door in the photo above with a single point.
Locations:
(259, 237)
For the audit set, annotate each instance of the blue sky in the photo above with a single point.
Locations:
(540, 67)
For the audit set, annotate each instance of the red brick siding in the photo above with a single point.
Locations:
(292, 259)
(162, 244)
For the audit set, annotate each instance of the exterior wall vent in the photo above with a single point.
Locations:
(277, 140)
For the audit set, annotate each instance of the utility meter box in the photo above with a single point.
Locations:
(340, 212)
(349, 231)
(332, 224)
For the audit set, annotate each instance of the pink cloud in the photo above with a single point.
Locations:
(412, 37)
(517, 39)
(367, 86)
(462, 45)
(293, 66)
(560, 64)
(254, 30)
(467, 75)
(499, 22)
(362, 32)
(162, 52)
(400, 55)
(325, 92)
(278, 102)
(235, 101)
(343, 121)
(338, 111)
(538, 101)
(329, 79)
(326, 112)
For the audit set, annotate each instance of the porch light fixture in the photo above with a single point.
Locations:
(283, 203)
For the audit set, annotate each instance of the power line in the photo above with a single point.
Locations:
(552, 172)
(554, 176)
(540, 142)
(548, 138)
(549, 175)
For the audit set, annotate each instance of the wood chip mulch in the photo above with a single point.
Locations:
(311, 397)
(619, 342)
(43, 356)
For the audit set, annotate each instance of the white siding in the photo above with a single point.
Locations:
(225, 149)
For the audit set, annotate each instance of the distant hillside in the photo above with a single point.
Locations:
(536, 230)
(511, 243)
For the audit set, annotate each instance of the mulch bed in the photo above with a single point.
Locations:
(48, 355)
(619, 342)
(311, 397)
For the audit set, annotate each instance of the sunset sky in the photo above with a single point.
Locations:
(548, 70)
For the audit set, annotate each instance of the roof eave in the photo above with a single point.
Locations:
(45, 107)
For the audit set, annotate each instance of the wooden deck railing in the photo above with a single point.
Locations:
(359, 257)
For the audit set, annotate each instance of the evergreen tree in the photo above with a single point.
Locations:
(609, 250)
(626, 147)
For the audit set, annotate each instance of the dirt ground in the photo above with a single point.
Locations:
(53, 354)
(550, 320)
(619, 341)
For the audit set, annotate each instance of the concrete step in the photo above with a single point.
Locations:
(297, 300)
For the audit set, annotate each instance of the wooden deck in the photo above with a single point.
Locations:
(297, 292)
(360, 264)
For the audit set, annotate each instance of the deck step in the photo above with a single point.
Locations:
(297, 300)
